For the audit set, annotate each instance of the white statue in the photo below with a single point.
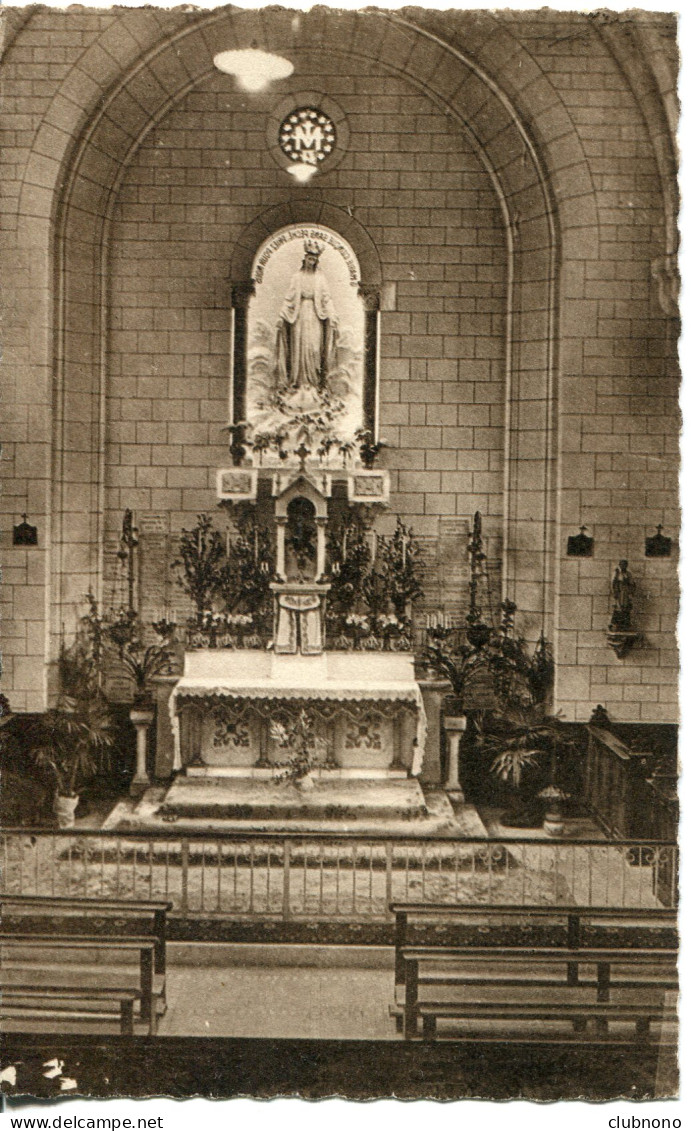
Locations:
(307, 327)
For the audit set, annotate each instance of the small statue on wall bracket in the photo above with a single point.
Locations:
(659, 546)
(580, 545)
(24, 534)
(620, 635)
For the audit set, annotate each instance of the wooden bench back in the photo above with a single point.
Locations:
(92, 908)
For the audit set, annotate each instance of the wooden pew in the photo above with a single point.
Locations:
(579, 1013)
(92, 908)
(22, 1001)
(142, 946)
(535, 968)
(576, 916)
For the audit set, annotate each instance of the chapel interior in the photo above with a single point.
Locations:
(340, 475)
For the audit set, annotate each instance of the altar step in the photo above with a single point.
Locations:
(320, 774)
(330, 800)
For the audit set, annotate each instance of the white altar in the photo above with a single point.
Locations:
(368, 709)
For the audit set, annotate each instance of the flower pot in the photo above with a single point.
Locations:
(305, 784)
(478, 635)
(142, 714)
(453, 705)
(65, 808)
(455, 723)
(371, 643)
(553, 823)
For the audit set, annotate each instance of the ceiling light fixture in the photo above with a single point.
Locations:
(254, 69)
(302, 173)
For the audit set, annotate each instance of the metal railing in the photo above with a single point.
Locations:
(334, 877)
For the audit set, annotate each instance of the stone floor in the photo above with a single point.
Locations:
(280, 991)
(575, 828)
(327, 992)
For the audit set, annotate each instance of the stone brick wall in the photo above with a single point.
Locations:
(115, 366)
(411, 179)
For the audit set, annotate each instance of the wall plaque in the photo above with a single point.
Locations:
(152, 522)
(368, 487)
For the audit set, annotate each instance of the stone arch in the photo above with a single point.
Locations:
(145, 63)
(307, 210)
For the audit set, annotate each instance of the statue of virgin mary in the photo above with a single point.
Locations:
(307, 329)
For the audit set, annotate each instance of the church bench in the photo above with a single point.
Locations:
(546, 966)
(22, 1001)
(142, 947)
(576, 917)
(92, 909)
(578, 1013)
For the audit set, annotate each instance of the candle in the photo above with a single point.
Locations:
(199, 542)
(227, 543)
(344, 549)
(405, 547)
(256, 543)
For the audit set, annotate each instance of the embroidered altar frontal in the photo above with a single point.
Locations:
(367, 712)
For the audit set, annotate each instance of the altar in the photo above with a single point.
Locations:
(367, 710)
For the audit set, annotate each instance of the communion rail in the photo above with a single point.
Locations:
(334, 877)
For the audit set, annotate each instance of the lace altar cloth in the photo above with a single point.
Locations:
(404, 692)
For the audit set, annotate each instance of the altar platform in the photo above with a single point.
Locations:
(375, 808)
(368, 727)
(330, 799)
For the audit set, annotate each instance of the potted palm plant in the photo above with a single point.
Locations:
(75, 736)
(71, 740)
(525, 744)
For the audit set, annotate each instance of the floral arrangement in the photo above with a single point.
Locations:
(369, 600)
(304, 746)
(124, 634)
(223, 630)
(401, 568)
(357, 624)
(245, 575)
(202, 553)
(369, 447)
(389, 624)
(165, 629)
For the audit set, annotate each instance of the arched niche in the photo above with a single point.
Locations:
(140, 88)
(302, 491)
(272, 287)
